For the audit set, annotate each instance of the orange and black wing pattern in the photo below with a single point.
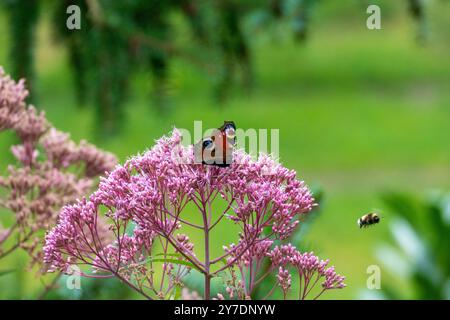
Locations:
(217, 150)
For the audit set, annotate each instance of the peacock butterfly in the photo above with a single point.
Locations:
(217, 150)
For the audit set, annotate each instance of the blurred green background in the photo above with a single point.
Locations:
(359, 111)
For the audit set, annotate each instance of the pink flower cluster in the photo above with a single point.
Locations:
(51, 171)
(309, 268)
(155, 200)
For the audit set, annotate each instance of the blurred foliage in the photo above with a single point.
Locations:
(90, 289)
(118, 38)
(420, 255)
(23, 17)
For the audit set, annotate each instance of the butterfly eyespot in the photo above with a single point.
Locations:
(230, 132)
(229, 126)
(207, 144)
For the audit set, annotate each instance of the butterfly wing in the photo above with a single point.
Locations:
(228, 130)
(218, 149)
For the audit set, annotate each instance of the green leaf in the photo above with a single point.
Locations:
(177, 293)
(195, 281)
(175, 261)
(5, 272)
(404, 205)
(176, 255)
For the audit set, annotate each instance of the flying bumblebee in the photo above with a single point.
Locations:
(368, 220)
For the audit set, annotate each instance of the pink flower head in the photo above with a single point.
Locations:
(31, 125)
(308, 266)
(51, 171)
(284, 279)
(163, 190)
(12, 100)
